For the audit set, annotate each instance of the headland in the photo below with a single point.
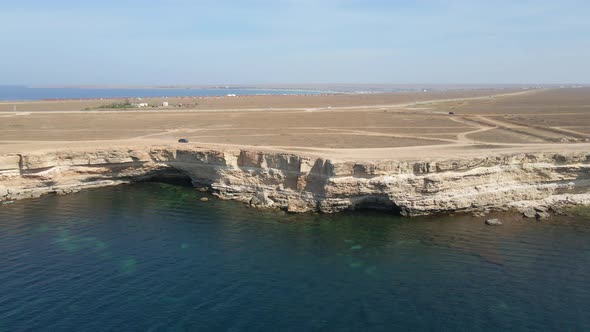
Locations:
(413, 153)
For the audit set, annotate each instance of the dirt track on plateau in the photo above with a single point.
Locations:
(356, 127)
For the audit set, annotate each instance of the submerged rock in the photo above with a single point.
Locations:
(493, 222)
(542, 215)
(204, 199)
(530, 213)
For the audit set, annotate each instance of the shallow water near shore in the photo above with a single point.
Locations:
(153, 256)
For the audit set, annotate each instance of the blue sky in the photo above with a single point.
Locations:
(294, 41)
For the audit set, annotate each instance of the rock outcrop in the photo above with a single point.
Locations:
(493, 222)
(299, 184)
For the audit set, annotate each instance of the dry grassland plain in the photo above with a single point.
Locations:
(342, 127)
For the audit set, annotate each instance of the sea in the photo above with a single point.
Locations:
(52, 93)
(154, 257)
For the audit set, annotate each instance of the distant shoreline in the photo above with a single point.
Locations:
(23, 93)
(90, 93)
(183, 97)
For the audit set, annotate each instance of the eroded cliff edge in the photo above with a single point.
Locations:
(299, 184)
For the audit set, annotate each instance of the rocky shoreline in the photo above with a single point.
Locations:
(532, 183)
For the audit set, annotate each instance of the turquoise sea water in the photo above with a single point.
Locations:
(39, 93)
(152, 256)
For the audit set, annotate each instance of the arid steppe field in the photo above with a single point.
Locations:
(373, 126)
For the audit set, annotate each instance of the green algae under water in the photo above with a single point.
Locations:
(153, 256)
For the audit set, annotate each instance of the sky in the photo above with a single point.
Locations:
(167, 42)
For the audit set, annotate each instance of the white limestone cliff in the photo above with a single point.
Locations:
(299, 184)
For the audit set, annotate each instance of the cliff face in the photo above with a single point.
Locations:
(300, 184)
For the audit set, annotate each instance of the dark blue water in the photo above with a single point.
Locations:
(38, 93)
(153, 257)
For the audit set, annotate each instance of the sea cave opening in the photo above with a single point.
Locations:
(377, 203)
(170, 175)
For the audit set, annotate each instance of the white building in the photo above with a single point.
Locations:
(165, 104)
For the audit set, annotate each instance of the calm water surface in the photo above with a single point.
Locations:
(153, 257)
(38, 93)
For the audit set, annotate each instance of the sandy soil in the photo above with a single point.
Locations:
(384, 126)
